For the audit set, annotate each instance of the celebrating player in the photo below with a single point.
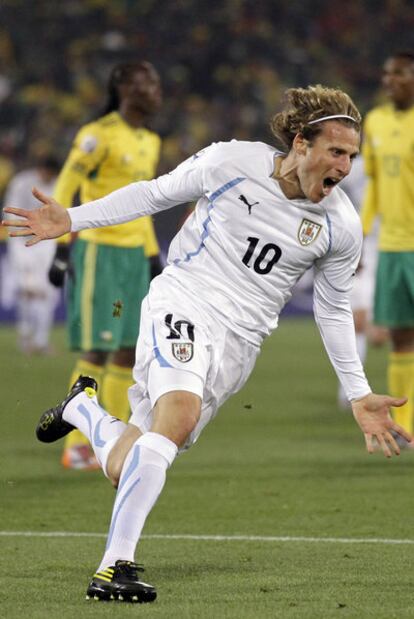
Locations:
(388, 154)
(110, 266)
(263, 217)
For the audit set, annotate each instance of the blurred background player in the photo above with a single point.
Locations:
(362, 295)
(110, 266)
(388, 152)
(35, 297)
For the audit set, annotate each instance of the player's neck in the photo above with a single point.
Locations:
(286, 175)
(402, 106)
(133, 117)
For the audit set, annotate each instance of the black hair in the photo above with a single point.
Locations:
(404, 54)
(120, 74)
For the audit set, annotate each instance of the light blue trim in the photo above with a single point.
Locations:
(97, 440)
(86, 414)
(84, 411)
(206, 222)
(161, 360)
(328, 221)
(131, 468)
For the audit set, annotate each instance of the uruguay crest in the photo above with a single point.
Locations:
(308, 231)
(183, 351)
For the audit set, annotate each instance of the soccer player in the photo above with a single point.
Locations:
(110, 266)
(36, 298)
(388, 153)
(263, 217)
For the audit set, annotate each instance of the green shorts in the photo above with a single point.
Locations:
(105, 295)
(394, 291)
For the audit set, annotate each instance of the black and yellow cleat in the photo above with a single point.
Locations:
(120, 583)
(51, 426)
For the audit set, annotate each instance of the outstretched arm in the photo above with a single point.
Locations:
(184, 184)
(372, 414)
(49, 221)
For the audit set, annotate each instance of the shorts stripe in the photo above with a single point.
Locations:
(161, 360)
(88, 289)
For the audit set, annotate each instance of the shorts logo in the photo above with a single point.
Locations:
(106, 336)
(308, 231)
(183, 352)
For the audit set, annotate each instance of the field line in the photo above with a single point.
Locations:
(221, 538)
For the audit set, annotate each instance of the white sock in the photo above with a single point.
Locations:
(101, 429)
(142, 479)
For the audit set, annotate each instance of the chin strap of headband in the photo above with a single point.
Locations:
(333, 117)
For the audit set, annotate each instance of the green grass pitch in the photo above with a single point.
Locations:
(279, 461)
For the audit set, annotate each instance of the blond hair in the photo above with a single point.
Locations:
(304, 105)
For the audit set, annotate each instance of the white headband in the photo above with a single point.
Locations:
(319, 120)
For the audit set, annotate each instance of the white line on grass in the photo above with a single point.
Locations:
(220, 538)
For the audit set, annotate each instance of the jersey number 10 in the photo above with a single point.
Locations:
(267, 258)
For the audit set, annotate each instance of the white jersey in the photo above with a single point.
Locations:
(246, 245)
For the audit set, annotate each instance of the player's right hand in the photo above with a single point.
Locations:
(60, 265)
(49, 221)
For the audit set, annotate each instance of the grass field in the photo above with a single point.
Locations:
(280, 462)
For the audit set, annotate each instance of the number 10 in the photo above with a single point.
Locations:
(266, 259)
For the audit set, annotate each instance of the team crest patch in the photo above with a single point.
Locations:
(183, 352)
(308, 231)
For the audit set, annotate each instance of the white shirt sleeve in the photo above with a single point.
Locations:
(333, 314)
(184, 184)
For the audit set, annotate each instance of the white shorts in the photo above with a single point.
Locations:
(181, 347)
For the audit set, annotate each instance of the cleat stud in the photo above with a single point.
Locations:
(120, 597)
(96, 597)
(112, 597)
(87, 597)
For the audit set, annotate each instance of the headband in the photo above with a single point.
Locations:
(319, 120)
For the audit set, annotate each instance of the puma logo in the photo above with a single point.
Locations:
(246, 202)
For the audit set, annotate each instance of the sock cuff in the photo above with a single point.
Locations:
(119, 370)
(86, 367)
(402, 357)
(160, 444)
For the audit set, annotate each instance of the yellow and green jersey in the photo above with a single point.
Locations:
(108, 154)
(388, 152)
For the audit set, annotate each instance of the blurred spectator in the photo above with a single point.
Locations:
(28, 268)
(207, 53)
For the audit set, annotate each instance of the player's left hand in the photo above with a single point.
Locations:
(372, 413)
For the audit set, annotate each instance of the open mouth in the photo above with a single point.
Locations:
(330, 181)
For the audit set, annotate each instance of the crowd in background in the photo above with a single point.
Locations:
(224, 64)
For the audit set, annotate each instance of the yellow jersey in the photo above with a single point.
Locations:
(388, 152)
(108, 154)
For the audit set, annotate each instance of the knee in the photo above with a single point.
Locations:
(176, 415)
(125, 357)
(96, 357)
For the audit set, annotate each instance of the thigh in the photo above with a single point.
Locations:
(173, 354)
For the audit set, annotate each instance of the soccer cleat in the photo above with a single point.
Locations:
(120, 583)
(51, 426)
(80, 458)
